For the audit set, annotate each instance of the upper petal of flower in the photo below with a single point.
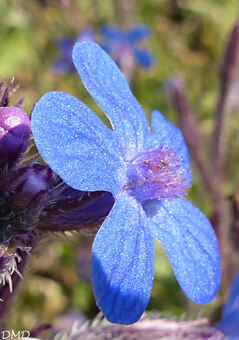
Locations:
(138, 33)
(169, 135)
(144, 57)
(110, 90)
(229, 322)
(111, 32)
(191, 245)
(123, 262)
(76, 144)
(65, 45)
(63, 66)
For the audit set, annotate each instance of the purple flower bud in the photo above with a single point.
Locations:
(22, 199)
(15, 128)
(31, 184)
(73, 209)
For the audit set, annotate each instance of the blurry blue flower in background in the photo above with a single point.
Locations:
(126, 47)
(64, 64)
(147, 173)
(229, 323)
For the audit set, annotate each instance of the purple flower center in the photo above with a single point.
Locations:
(158, 174)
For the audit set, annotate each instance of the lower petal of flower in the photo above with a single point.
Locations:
(123, 263)
(191, 245)
(229, 323)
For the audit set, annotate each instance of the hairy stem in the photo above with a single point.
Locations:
(228, 74)
(189, 127)
(6, 295)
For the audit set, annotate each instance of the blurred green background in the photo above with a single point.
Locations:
(188, 38)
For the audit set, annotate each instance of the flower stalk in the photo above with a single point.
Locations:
(228, 74)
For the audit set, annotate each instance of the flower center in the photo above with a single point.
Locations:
(158, 174)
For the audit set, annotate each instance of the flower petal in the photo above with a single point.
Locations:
(63, 66)
(76, 144)
(191, 245)
(144, 57)
(65, 45)
(111, 32)
(110, 90)
(169, 135)
(229, 323)
(123, 263)
(138, 32)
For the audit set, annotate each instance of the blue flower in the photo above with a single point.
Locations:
(126, 47)
(147, 173)
(229, 323)
(64, 64)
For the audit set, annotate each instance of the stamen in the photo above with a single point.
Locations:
(158, 174)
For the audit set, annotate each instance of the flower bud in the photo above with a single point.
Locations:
(15, 128)
(31, 184)
(75, 210)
